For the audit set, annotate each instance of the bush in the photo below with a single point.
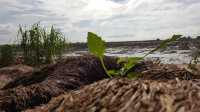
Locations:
(7, 55)
(40, 45)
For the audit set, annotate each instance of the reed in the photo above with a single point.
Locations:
(41, 46)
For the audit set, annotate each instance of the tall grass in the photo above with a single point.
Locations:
(41, 45)
(6, 55)
(54, 44)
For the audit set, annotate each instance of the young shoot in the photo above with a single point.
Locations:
(97, 47)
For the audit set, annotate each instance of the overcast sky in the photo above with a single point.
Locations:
(114, 20)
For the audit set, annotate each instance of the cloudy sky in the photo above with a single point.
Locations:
(114, 20)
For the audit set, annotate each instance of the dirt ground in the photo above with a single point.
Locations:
(79, 84)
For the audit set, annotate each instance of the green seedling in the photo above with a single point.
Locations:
(97, 47)
(130, 62)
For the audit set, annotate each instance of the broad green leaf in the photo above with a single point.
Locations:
(96, 45)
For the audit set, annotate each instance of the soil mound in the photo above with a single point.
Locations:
(124, 95)
(53, 80)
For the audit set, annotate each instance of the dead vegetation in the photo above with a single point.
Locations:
(9, 74)
(125, 95)
(51, 81)
(160, 88)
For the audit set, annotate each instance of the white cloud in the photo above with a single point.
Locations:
(7, 34)
(115, 20)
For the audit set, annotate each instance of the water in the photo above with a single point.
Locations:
(167, 57)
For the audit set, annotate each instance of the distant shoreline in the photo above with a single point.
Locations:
(183, 44)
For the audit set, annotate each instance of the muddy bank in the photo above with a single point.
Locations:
(124, 95)
(51, 81)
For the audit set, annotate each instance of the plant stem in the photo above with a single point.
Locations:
(104, 67)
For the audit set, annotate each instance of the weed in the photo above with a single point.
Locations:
(97, 47)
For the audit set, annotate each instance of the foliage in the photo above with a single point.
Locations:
(54, 44)
(128, 63)
(40, 45)
(7, 55)
(97, 47)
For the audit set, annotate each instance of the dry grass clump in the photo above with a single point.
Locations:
(51, 81)
(155, 90)
(11, 73)
(124, 95)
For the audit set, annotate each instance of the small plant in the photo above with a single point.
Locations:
(7, 55)
(97, 47)
(40, 45)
